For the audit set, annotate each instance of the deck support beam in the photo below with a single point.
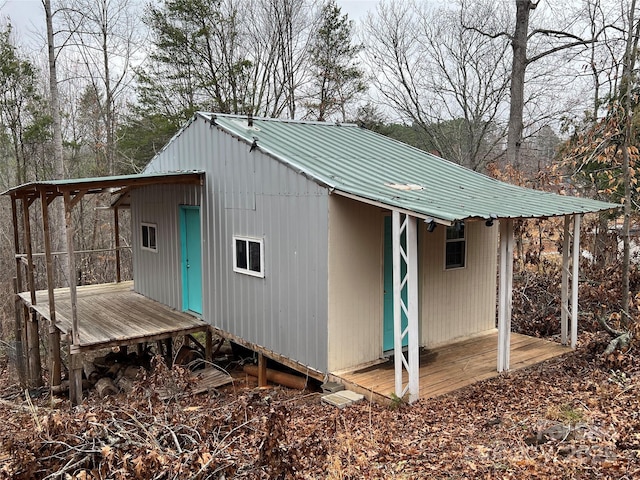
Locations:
(262, 370)
(55, 369)
(570, 277)
(17, 286)
(505, 293)
(75, 360)
(404, 232)
(116, 233)
(32, 324)
(208, 349)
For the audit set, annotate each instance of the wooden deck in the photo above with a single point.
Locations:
(113, 314)
(448, 368)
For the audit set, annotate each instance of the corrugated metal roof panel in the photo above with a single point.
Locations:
(349, 159)
(96, 184)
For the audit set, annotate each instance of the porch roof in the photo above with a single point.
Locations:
(117, 183)
(377, 169)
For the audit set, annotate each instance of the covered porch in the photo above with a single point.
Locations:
(412, 373)
(451, 367)
(84, 317)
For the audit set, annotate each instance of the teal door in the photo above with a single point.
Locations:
(387, 328)
(191, 259)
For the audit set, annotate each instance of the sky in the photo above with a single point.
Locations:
(27, 16)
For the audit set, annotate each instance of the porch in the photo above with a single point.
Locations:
(451, 367)
(112, 314)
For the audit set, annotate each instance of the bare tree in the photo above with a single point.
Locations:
(104, 38)
(450, 82)
(565, 33)
(210, 55)
(278, 38)
(58, 230)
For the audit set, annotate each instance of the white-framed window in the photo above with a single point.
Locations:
(149, 238)
(248, 256)
(455, 247)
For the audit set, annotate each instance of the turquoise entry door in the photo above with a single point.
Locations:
(191, 259)
(387, 330)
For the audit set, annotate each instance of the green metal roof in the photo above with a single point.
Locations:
(361, 163)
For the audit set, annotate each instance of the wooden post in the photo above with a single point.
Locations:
(116, 232)
(574, 279)
(55, 370)
(75, 359)
(33, 333)
(564, 287)
(24, 312)
(16, 242)
(262, 370)
(20, 362)
(75, 376)
(208, 349)
(505, 294)
(169, 352)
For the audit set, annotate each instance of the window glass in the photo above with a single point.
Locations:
(149, 237)
(241, 254)
(455, 247)
(152, 238)
(254, 256)
(248, 254)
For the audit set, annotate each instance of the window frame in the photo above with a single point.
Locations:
(248, 240)
(149, 226)
(448, 241)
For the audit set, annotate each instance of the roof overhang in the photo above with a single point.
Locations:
(119, 184)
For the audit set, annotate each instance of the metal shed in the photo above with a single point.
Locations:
(330, 205)
(331, 248)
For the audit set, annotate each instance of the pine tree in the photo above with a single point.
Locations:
(337, 78)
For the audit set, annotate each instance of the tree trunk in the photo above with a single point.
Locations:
(58, 231)
(518, 70)
(625, 98)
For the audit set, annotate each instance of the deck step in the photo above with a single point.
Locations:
(342, 398)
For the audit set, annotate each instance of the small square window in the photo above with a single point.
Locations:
(455, 247)
(248, 256)
(149, 237)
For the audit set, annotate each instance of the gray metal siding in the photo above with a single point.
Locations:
(251, 194)
(157, 275)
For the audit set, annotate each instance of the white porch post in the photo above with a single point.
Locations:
(570, 269)
(405, 253)
(564, 294)
(574, 280)
(505, 293)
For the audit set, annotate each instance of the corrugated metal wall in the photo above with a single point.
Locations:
(157, 275)
(251, 194)
(461, 302)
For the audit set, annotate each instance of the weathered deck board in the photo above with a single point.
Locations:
(113, 314)
(450, 367)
